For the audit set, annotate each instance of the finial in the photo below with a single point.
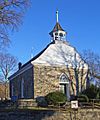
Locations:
(57, 15)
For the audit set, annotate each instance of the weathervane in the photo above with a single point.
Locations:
(57, 15)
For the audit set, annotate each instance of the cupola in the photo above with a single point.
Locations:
(58, 33)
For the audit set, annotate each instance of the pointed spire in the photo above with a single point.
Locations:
(58, 33)
(57, 15)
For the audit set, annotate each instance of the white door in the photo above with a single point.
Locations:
(64, 88)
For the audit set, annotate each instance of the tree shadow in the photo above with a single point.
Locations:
(25, 114)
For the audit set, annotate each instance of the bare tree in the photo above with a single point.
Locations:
(93, 60)
(1, 78)
(7, 65)
(11, 13)
(78, 76)
(76, 68)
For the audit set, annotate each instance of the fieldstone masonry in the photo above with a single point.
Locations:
(46, 79)
(39, 80)
(27, 76)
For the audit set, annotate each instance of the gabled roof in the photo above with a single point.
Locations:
(29, 62)
(35, 57)
(58, 53)
(56, 28)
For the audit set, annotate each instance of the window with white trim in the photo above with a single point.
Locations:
(64, 78)
(22, 88)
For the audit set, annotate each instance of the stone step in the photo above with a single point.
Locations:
(27, 102)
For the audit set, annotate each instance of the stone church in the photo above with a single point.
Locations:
(58, 67)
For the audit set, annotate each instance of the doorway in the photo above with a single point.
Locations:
(64, 85)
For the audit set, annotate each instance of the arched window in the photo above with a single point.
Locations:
(61, 34)
(64, 78)
(64, 85)
(56, 34)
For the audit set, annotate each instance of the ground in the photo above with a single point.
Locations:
(48, 114)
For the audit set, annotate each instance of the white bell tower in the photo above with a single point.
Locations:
(58, 33)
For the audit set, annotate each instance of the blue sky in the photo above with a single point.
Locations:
(79, 18)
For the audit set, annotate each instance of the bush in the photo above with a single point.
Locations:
(92, 92)
(83, 98)
(54, 98)
(41, 101)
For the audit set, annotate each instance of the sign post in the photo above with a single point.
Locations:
(74, 106)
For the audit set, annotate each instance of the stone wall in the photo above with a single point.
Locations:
(40, 80)
(28, 89)
(46, 79)
(82, 114)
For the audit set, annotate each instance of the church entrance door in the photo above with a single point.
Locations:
(65, 89)
(64, 85)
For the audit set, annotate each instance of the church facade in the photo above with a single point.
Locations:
(58, 67)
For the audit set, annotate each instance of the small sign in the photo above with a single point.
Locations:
(74, 104)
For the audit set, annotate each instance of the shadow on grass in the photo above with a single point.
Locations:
(25, 114)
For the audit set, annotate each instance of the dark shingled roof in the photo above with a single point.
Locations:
(38, 54)
(32, 59)
(56, 28)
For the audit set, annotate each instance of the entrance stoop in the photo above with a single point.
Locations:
(27, 103)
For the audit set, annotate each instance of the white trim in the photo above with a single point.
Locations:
(22, 88)
(68, 91)
(65, 82)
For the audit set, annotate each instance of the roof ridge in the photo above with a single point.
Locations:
(36, 56)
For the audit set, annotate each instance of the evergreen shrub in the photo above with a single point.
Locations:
(55, 98)
(92, 92)
(83, 98)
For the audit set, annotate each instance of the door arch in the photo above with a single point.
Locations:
(64, 85)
